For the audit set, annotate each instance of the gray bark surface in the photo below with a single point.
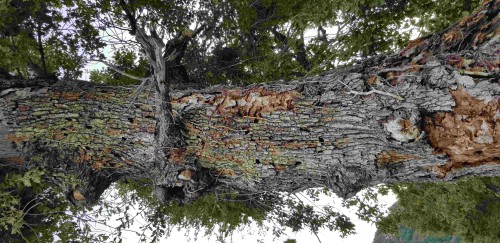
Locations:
(388, 119)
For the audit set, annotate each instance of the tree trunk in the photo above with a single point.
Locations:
(428, 113)
(40, 48)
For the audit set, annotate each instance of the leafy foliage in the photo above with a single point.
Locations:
(298, 211)
(44, 38)
(249, 41)
(222, 213)
(214, 212)
(124, 60)
(469, 208)
(32, 211)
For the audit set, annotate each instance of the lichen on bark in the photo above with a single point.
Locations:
(417, 115)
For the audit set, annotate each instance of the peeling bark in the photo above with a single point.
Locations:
(423, 114)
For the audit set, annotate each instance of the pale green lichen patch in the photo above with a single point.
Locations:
(95, 127)
(230, 133)
(342, 142)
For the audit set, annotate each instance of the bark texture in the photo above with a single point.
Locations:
(427, 113)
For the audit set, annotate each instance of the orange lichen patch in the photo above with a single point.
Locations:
(469, 134)
(148, 129)
(97, 165)
(386, 157)
(84, 155)
(78, 196)
(464, 20)
(299, 145)
(177, 155)
(14, 160)
(475, 19)
(411, 47)
(70, 96)
(372, 80)
(254, 102)
(414, 68)
(187, 174)
(329, 118)
(480, 37)
(113, 132)
(407, 126)
(225, 172)
(59, 136)
(106, 150)
(192, 98)
(279, 168)
(192, 129)
(90, 96)
(455, 61)
(452, 36)
(24, 108)
(393, 77)
(17, 138)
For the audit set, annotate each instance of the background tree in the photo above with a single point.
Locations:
(44, 38)
(257, 41)
(468, 209)
(123, 60)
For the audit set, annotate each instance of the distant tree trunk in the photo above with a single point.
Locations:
(428, 113)
(40, 48)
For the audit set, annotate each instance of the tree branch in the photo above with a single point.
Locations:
(118, 70)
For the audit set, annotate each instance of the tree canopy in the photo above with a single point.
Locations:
(468, 209)
(217, 42)
(239, 41)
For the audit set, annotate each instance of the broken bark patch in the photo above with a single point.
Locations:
(469, 134)
(177, 155)
(68, 95)
(225, 172)
(254, 102)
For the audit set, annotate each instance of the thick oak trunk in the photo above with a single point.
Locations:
(428, 113)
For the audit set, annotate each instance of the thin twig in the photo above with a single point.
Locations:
(116, 69)
(477, 74)
(376, 92)
(400, 69)
(355, 93)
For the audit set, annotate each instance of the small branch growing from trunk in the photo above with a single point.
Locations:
(118, 70)
(374, 91)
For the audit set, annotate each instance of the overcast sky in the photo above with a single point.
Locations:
(250, 234)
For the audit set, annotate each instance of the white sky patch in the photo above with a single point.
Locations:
(108, 51)
(365, 232)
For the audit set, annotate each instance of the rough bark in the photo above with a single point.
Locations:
(428, 113)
